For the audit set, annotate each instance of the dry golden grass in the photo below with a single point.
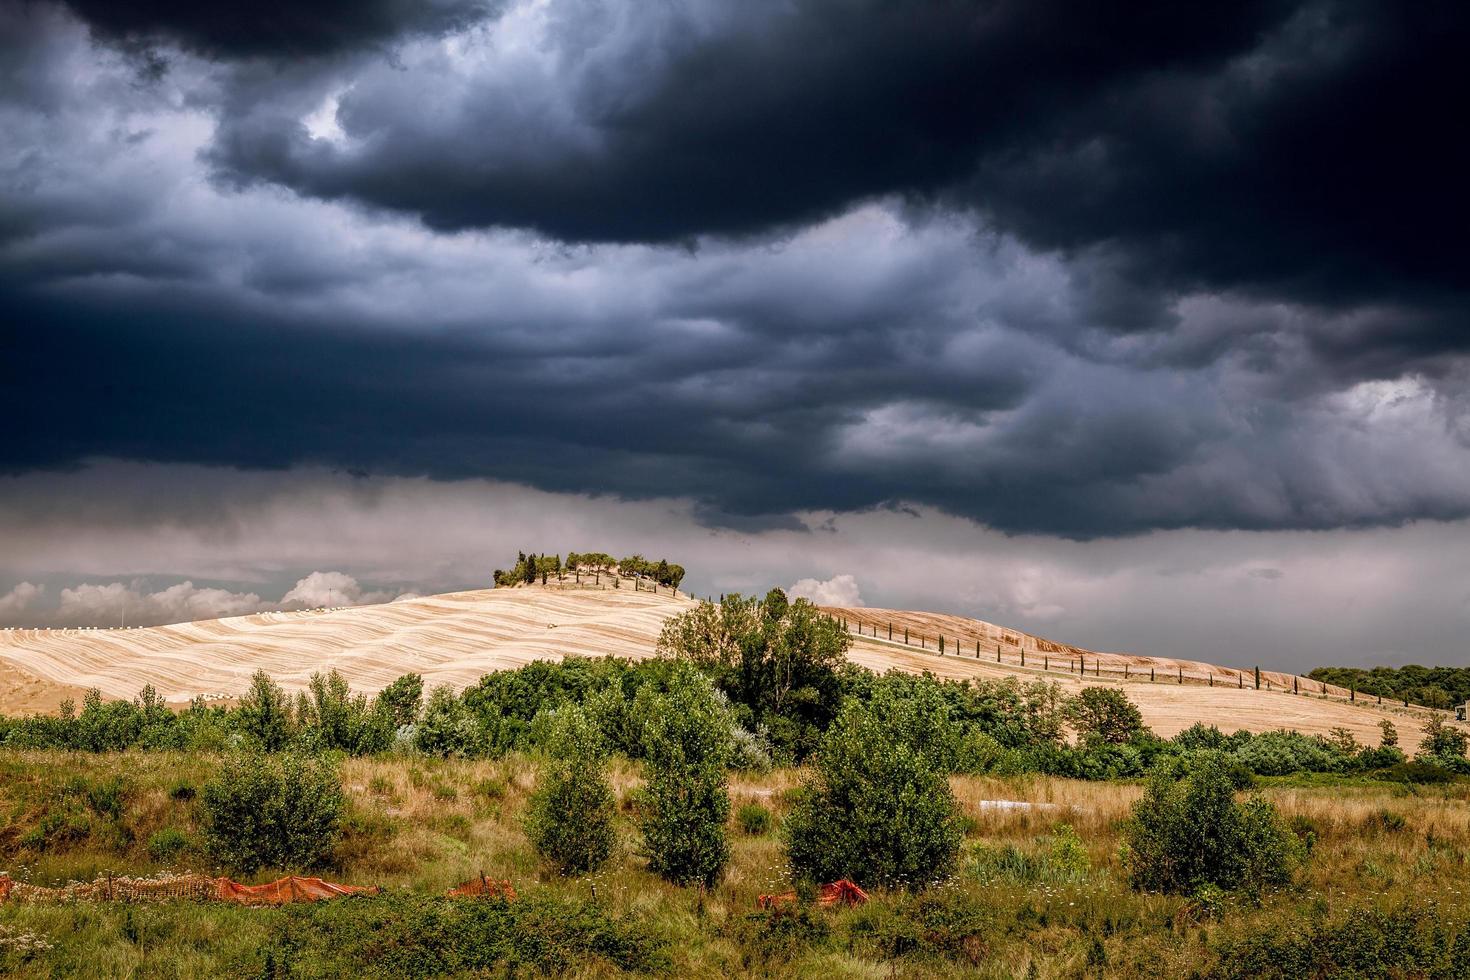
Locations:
(426, 824)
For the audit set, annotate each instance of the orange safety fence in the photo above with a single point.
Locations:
(197, 887)
(284, 891)
(482, 886)
(841, 892)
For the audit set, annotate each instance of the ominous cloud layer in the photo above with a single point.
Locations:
(1059, 269)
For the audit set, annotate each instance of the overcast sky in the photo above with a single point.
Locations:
(1142, 327)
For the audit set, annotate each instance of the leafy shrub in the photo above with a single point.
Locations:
(571, 813)
(1188, 831)
(754, 819)
(685, 805)
(402, 699)
(415, 936)
(58, 830)
(1105, 714)
(877, 808)
(1441, 741)
(1420, 772)
(264, 714)
(781, 934)
(491, 788)
(448, 727)
(105, 798)
(1283, 753)
(750, 751)
(167, 844)
(1406, 941)
(278, 812)
(182, 790)
(331, 717)
(777, 661)
(942, 923)
(1385, 821)
(1200, 736)
(109, 726)
(1383, 757)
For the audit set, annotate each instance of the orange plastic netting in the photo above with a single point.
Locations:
(487, 887)
(841, 892)
(198, 887)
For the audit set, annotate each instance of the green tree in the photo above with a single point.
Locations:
(1390, 734)
(877, 807)
(264, 714)
(1188, 832)
(403, 698)
(1441, 741)
(687, 743)
(570, 818)
(777, 660)
(449, 727)
(1105, 714)
(272, 812)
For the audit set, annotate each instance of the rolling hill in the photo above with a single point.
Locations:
(457, 637)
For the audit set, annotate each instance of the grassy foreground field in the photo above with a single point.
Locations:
(1386, 877)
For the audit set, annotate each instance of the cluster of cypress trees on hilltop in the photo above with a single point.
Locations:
(531, 568)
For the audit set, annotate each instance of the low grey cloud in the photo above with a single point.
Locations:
(135, 603)
(1353, 596)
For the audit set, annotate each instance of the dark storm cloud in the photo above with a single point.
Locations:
(1301, 150)
(661, 122)
(274, 27)
(1038, 268)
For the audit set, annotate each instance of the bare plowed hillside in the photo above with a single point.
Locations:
(457, 637)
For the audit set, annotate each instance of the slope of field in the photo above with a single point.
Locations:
(1168, 707)
(457, 637)
(450, 639)
(977, 638)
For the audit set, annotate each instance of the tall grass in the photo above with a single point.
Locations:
(1019, 901)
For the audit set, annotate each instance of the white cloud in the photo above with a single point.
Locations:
(330, 589)
(132, 604)
(20, 597)
(115, 604)
(839, 590)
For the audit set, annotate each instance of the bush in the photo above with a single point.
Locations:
(1283, 753)
(685, 805)
(333, 718)
(415, 936)
(570, 818)
(167, 844)
(754, 819)
(1188, 832)
(1105, 714)
(877, 808)
(1441, 741)
(402, 699)
(264, 715)
(449, 727)
(1406, 941)
(277, 812)
(1419, 772)
(105, 798)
